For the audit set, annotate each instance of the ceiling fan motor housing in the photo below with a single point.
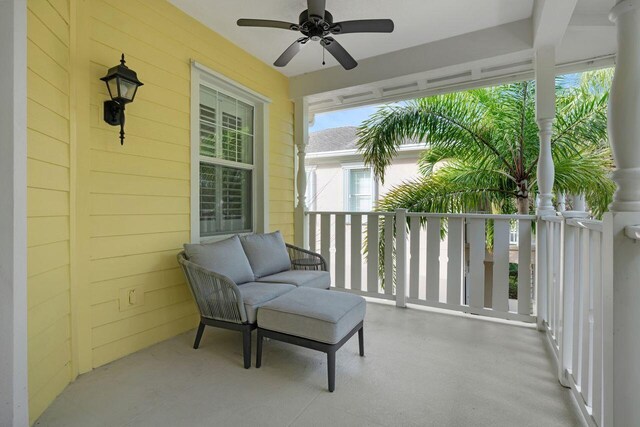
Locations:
(315, 27)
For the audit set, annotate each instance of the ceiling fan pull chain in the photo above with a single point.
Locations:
(323, 55)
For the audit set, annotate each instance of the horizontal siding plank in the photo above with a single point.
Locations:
(42, 202)
(117, 204)
(110, 247)
(47, 121)
(114, 183)
(46, 93)
(133, 343)
(42, 344)
(47, 175)
(48, 285)
(109, 289)
(45, 258)
(57, 360)
(139, 148)
(46, 314)
(43, 147)
(39, 401)
(123, 225)
(40, 35)
(143, 322)
(44, 230)
(51, 19)
(40, 63)
(109, 312)
(113, 268)
(128, 164)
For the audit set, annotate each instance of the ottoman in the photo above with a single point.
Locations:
(313, 318)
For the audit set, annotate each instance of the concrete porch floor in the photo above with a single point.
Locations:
(421, 369)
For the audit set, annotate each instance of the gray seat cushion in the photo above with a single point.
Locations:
(325, 316)
(225, 257)
(255, 294)
(309, 279)
(267, 253)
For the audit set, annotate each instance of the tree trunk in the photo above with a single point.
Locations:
(523, 205)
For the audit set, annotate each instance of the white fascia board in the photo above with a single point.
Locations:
(341, 156)
(478, 46)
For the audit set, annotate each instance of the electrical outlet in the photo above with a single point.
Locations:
(131, 297)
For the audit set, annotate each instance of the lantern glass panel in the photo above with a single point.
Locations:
(112, 85)
(127, 89)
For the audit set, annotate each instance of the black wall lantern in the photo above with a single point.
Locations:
(122, 84)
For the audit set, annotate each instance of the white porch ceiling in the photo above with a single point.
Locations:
(416, 22)
(437, 46)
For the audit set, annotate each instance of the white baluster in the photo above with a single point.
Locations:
(301, 140)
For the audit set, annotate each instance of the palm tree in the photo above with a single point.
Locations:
(483, 146)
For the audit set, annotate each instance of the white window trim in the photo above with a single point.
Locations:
(346, 181)
(200, 74)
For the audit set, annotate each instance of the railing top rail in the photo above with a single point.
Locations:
(348, 213)
(427, 215)
(469, 215)
(590, 224)
(551, 218)
(632, 232)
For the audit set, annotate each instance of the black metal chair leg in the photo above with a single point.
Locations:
(259, 350)
(331, 369)
(361, 340)
(196, 343)
(246, 347)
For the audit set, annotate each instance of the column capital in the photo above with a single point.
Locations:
(623, 7)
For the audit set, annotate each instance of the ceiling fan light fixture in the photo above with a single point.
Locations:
(316, 24)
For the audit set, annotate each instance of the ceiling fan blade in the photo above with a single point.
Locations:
(363, 26)
(316, 7)
(290, 52)
(339, 52)
(266, 23)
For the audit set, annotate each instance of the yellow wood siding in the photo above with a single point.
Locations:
(48, 180)
(105, 217)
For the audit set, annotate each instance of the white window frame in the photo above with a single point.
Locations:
(346, 183)
(202, 75)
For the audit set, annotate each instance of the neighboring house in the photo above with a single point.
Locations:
(337, 178)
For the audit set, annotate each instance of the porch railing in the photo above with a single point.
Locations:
(470, 263)
(461, 262)
(578, 319)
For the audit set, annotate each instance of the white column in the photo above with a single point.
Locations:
(622, 256)
(301, 129)
(545, 113)
(578, 207)
(562, 202)
(13, 214)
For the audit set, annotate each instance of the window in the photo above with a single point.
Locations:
(310, 193)
(358, 188)
(229, 195)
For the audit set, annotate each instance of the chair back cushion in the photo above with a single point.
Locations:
(267, 253)
(225, 257)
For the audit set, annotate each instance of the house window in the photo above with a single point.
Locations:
(310, 194)
(358, 187)
(228, 191)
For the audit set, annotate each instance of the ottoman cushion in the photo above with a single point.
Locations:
(309, 279)
(315, 314)
(255, 294)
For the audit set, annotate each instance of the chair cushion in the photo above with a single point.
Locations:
(255, 294)
(309, 279)
(267, 253)
(319, 315)
(225, 257)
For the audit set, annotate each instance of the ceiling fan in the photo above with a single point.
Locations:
(316, 24)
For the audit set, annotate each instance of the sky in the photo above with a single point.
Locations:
(355, 116)
(335, 119)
